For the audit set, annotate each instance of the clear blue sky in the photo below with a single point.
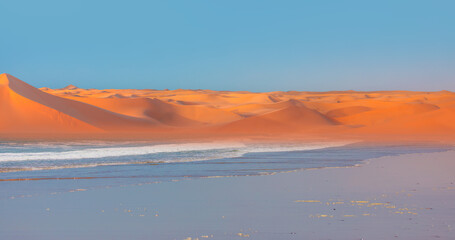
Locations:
(231, 45)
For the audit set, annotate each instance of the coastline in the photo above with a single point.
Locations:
(227, 120)
(405, 197)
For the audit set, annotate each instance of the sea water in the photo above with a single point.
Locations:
(29, 169)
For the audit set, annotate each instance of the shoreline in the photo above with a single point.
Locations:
(406, 197)
(197, 136)
(236, 150)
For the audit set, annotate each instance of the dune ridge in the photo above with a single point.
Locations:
(378, 114)
(28, 109)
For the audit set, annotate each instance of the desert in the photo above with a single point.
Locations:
(147, 113)
(227, 120)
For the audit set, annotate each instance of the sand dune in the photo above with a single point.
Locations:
(347, 111)
(427, 122)
(386, 113)
(164, 112)
(27, 109)
(292, 117)
(22, 114)
(381, 114)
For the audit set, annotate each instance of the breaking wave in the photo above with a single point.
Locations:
(44, 157)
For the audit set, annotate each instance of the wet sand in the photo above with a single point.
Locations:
(409, 196)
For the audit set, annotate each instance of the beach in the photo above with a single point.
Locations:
(196, 164)
(405, 196)
(227, 120)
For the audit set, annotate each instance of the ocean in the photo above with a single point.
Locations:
(29, 169)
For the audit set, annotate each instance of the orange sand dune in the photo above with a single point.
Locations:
(27, 109)
(292, 117)
(193, 113)
(164, 112)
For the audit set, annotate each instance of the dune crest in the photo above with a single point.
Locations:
(292, 116)
(28, 109)
(382, 114)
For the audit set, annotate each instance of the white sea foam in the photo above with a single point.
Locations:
(230, 150)
(294, 147)
(104, 152)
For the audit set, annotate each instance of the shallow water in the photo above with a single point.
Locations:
(62, 167)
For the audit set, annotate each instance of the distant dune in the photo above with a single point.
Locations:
(289, 117)
(25, 109)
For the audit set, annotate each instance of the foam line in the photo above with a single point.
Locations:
(106, 152)
(93, 153)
